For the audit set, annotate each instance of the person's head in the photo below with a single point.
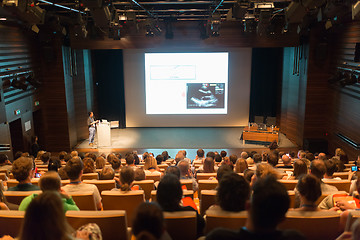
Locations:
(223, 153)
(241, 165)
(248, 173)
(179, 157)
(50, 181)
(74, 154)
(91, 155)
(139, 174)
(209, 165)
(184, 152)
(110, 157)
(257, 158)
(218, 158)
(244, 155)
(67, 157)
(91, 114)
(127, 176)
(63, 174)
(322, 156)
(286, 159)
(62, 155)
(317, 168)
(310, 156)
(273, 159)
(165, 155)
(222, 170)
(150, 163)
(136, 158)
(268, 204)
(148, 219)
(107, 173)
(115, 163)
(273, 145)
(130, 160)
(344, 158)
(330, 167)
(300, 168)
(211, 154)
(100, 162)
(89, 165)
(264, 169)
(233, 158)
(233, 192)
(159, 159)
(74, 168)
(169, 192)
(45, 157)
(18, 154)
(309, 187)
(54, 164)
(339, 152)
(200, 153)
(3, 158)
(184, 167)
(173, 170)
(23, 169)
(45, 219)
(302, 154)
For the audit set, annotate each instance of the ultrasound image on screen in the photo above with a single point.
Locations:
(205, 95)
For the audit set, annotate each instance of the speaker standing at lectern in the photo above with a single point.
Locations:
(92, 128)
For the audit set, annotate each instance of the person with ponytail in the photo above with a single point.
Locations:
(125, 183)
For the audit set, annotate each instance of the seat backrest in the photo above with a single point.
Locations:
(65, 182)
(205, 176)
(14, 182)
(289, 184)
(342, 175)
(155, 178)
(3, 176)
(10, 222)
(208, 198)
(90, 176)
(352, 217)
(128, 201)
(270, 121)
(163, 166)
(314, 225)
(188, 183)
(102, 185)
(341, 185)
(207, 185)
(16, 197)
(219, 218)
(181, 225)
(147, 186)
(291, 194)
(5, 171)
(113, 223)
(186, 193)
(84, 200)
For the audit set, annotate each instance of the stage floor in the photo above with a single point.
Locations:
(173, 139)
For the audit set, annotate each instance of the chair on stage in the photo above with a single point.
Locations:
(102, 185)
(147, 186)
(10, 222)
(271, 121)
(207, 198)
(259, 119)
(220, 218)
(84, 200)
(181, 225)
(90, 176)
(118, 200)
(113, 223)
(16, 197)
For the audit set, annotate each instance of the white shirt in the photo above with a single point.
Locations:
(83, 187)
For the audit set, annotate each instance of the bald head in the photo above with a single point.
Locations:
(244, 155)
(183, 167)
(322, 156)
(318, 168)
(286, 159)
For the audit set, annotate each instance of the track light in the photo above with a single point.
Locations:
(215, 25)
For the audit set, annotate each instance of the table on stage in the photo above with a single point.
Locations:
(252, 133)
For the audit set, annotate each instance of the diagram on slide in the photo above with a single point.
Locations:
(205, 95)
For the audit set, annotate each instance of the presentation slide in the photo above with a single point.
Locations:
(186, 83)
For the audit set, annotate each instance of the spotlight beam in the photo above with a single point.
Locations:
(143, 8)
(217, 7)
(61, 6)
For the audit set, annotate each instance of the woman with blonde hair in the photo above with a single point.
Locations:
(89, 165)
(241, 165)
(151, 167)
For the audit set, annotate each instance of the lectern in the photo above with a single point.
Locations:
(104, 134)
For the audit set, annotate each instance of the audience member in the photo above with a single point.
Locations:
(286, 161)
(241, 165)
(309, 191)
(322, 156)
(100, 162)
(91, 155)
(107, 173)
(23, 170)
(3, 202)
(62, 155)
(45, 157)
(169, 194)
(130, 160)
(50, 181)
(74, 154)
(273, 159)
(330, 169)
(212, 155)
(199, 156)
(233, 158)
(136, 158)
(179, 157)
(165, 155)
(139, 174)
(318, 169)
(89, 165)
(222, 170)
(74, 170)
(151, 167)
(248, 173)
(173, 170)
(5, 163)
(218, 159)
(185, 173)
(116, 164)
(264, 170)
(62, 173)
(266, 209)
(257, 158)
(209, 166)
(159, 159)
(300, 168)
(54, 164)
(18, 154)
(127, 177)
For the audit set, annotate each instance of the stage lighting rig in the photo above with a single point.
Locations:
(152, 28)
(250, 23)
(19, 83)
(203, 28)
(215, 23)
(33, 81)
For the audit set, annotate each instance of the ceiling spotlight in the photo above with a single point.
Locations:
(215, 25)
(149, 31)
(250, 23)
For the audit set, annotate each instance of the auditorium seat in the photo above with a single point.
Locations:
(289, 184)
(113, 223)
(102, 185)
(291, 194)
(42, 169)
(155, 178)
(181, 225)
(352, 217)
(118, 200)
(349, 165)
(314, 225)
(186, 193)
(5, 171)
(147, 186)
(219, 218)
(207, 198)
(342, 175)
(11, 176)
(3, 176)
(16, 197)
(65, 182)
(188, 183)
(42, 166)
(14, 182)
(90, 176)
(84, 200)
(341, 185)
(207, 185)
(205, 176)
(163, 166)
(10, 222)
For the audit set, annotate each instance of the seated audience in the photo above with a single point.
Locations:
(322, 156)
(241, 165)
(5, 162)
(54, 164)
(330, 169)
(248, 173)
(218, 159)
(222, 170)
(107, 173)
(136, 157)
(273, 159)
(3, 202)
(125, 183)
(233, 158)
(185, 173)
(100, 162)
(23, 170)
(173, 170)
(266, 209)
(208, 166)
(300, 168)
(130, 160)
(50, 181)
(165, 154)
(286, 161)
(169, 194)
(149, 223)
(139, 174)
(74, 170)
(151, 167)
(264, 170)
(257, 158)
(62, 155)
(309, 191)
(116, 164)
(179, 156)
(223, 154)
(89, 165)
(74, 154)
(318, 169)
(91, 155)
(159, 159)
(199, 156)
(232, 193)
(45, 157)
(62, 173)
(212, 155)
